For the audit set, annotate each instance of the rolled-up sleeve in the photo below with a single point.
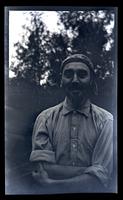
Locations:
(102, 159)
(42, 149)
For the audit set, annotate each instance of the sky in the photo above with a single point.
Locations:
(18, 18)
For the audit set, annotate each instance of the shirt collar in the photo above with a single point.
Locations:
(85, 109)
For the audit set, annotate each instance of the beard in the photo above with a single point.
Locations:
(77, 93)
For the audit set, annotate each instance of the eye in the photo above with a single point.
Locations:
(82, 73)
(68, 73)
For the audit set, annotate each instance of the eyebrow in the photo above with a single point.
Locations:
(76, 70)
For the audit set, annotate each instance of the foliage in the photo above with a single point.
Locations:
(83, 32)
(90, 37)
(31, 53)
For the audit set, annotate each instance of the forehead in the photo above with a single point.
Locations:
(76, 66)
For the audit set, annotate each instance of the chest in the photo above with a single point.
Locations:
(74, 128)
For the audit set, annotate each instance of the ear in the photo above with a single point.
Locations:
(61, 80)
(93, 84)
(94, 88)
(61, 83)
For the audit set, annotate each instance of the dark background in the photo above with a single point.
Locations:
(23, 104)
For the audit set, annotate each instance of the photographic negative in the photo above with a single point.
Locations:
(60, 100)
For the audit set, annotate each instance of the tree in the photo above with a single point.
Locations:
(87, 33)
(83, 32)
(31, 53)
(58, 52)
(90, 37)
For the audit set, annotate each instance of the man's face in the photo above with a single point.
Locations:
(75, 80)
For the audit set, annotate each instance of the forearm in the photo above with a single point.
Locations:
(83, 183)
(62, 171)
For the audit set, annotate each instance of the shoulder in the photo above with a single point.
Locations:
(101, 114)
(50, 111)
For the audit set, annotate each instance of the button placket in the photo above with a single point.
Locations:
(74, 135)
(74, 151)
(74, 128)
(74, 118)
(74, 144)
(74, 125)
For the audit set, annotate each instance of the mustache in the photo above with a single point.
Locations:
(75, 86)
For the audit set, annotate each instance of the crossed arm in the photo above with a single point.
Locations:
(65, 177)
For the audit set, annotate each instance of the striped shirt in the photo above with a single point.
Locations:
(82, 137)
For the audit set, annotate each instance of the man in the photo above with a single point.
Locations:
(72, 143)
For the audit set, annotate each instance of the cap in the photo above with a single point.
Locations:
(78, 58)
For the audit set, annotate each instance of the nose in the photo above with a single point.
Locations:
(75, 78)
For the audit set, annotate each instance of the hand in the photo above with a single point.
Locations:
(41, 175)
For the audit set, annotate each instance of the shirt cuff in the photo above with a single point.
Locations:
(100, 172)
(43, 155)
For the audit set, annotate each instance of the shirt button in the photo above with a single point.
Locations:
(74, 128)
(74, 112)
(74, 146)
